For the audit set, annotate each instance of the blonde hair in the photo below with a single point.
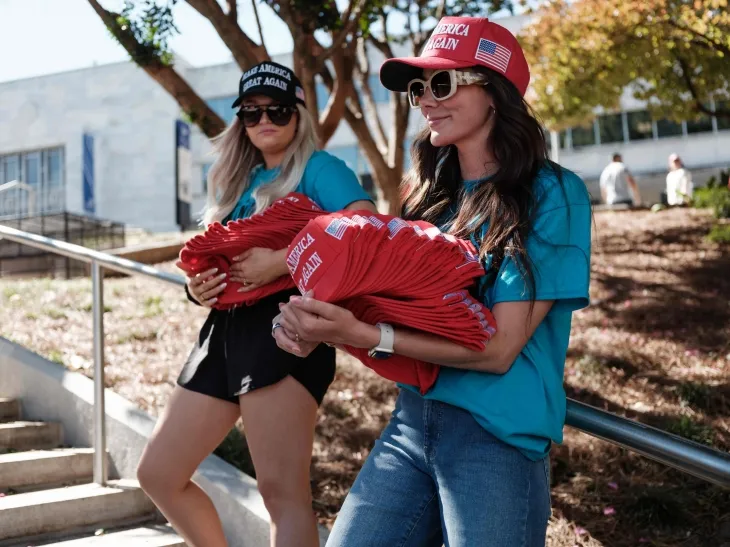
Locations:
(230, 175)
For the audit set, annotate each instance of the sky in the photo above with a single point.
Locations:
(46, 36)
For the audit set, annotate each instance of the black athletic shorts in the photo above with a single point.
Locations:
(236, 354)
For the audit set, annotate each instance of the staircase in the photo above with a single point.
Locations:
(47, 496)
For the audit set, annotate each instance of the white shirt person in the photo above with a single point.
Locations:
(618, 185)
(679, 182)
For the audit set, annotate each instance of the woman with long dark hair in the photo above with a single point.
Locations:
(467, 463)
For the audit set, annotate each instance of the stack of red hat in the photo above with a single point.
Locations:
(386, 269)
(274, 228)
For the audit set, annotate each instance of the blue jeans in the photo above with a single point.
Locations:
(436, 477)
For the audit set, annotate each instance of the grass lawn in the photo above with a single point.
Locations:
(653, 346)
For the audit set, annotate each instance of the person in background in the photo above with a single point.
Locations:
(618, 186)
(679, 182)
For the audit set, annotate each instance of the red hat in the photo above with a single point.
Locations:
(462, 42)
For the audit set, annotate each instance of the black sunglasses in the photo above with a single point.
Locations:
(279, 114)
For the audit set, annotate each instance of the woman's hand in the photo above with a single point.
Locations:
(288, 341)
(314, 321)
(258, 267)
(206, 286)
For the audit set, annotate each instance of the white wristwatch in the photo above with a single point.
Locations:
(384, 349)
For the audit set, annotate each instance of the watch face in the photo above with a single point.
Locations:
(380, 354)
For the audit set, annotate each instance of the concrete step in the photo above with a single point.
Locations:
(9, 409)
(29, 435)
(24, 470)
(148, 536)
(65, 509)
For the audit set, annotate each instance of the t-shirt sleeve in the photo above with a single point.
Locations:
(333, 185)
(559, 249)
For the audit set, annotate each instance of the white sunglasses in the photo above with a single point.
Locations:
(443, 85)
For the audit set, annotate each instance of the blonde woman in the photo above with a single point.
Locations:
(236, 368)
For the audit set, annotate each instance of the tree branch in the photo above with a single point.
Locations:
(233, 10)
(351, 18)
(691, 87)
(335, 108)
(708, 41)
(245, 51)
(199, 112)
(441, 10)
(258, 23)
(371, 108)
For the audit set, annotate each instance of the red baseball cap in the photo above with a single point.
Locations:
(461, 42)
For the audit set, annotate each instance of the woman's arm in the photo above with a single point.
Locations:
(257, 267)
(317, 321)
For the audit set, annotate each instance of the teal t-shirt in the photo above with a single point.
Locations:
(327, 180)
(525, 407)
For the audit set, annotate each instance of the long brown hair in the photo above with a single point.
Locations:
(434, 190)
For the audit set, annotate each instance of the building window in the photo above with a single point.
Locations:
(43, 171)
(611, 128)
(723, 122)
(563, 137)
(640, 125)
(222, 107)
(668, 128)
(701, 124)
(583, 136)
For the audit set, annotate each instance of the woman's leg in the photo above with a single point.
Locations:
(190, 428)
(279, 424)
(393, 502)
(491, 495)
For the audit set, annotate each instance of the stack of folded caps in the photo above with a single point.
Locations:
(388, 270)
(274, 228)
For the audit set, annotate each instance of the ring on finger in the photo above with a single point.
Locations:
(296, 337)
(274, 327)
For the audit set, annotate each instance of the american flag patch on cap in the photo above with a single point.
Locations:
(492, 54)
(299, 92)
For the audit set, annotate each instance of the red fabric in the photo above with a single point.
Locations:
(380, 267)
(385, 269)
(275, 228)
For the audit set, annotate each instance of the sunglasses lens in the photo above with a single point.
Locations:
(415, 92)
(441, 85)
(280, 115)
(250, 116)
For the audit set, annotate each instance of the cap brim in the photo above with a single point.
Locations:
(278, 95)
(396, 73)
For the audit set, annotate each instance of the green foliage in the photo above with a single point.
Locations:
(583, 54)
(689, 429)
(9, 292)
(55, 356)
(715, 196)
(152, 26)
(694, 394)
(53, 313)
(153, 306)
(720, 233)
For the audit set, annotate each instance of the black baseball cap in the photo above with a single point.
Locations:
(272, 80)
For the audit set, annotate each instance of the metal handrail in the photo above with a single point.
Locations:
(687, 456)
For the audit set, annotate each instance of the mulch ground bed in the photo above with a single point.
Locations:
(654, 346)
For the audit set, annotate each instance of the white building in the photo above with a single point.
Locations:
(132, 120)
